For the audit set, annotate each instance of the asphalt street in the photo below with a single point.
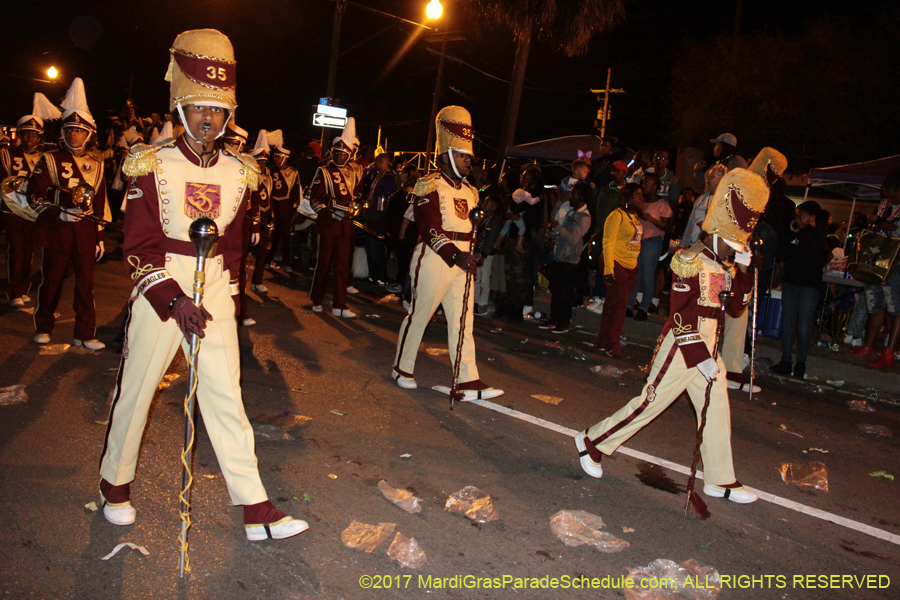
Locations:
(331, 424)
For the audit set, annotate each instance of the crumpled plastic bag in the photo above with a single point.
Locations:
(271, 433)
(362, 536)
(577, 527)
(473, 503)
(876, 429)
(666, 580)
(813, 475)
(407, 552)
(860, 405)
(13, 394)
(607, 371)
(401, 498)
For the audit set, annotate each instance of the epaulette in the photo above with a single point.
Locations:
(249, 162)
(686, 263)
(426, 185)
(141, 158)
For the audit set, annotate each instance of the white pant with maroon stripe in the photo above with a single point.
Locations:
(435, 284)
(150, 346)
(609, 434)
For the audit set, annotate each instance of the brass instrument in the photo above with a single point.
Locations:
(83, 196)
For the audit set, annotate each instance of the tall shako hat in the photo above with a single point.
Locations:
(261, 148)
(736, 206)
(348, 135)
(202, 70)
(454, 130)
(769, 164)
(41, 110)
(276, 141)
(235, 133)
(75, 109)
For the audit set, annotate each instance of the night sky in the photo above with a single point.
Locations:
(282, 51)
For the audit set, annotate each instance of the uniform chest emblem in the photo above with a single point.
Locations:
(461, 206)
(202, 200)
(717, 283)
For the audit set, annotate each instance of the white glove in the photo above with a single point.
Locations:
(98, 252)
(709, 368)
(743, 258)
(254, 239)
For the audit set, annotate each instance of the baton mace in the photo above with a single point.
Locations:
(203, 233)
(693, 498)
(476, 216)
(755, 245)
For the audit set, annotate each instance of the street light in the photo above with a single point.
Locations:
(434, 9)
(52, 72)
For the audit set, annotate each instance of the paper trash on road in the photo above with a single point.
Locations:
(406, 551)
(473, 503)
(860, 405)
(876, 429)
(548, 399)
(647, 580)
(822, 450)
(577, 527)
(813, 474)
(52, 349)
(91, 506)
(437, 351)
(362, 536)
(140, 549)
(14, 394)
(167, 381)
(835, 382)
(401, 498)
(884, 474)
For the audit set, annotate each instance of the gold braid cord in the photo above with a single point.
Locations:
(185, 515)
(426, 185)
(252, 176)
(686, 263)
(141, 159)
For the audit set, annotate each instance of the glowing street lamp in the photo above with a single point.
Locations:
(434, 9)
(52, 72)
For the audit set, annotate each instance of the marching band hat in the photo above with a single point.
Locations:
(348, 135)
(454, 130)
(276, 140)
(202, 70)
(76, 113)
(262, 144)
(234, 132)
(769, 164)
(735, 207)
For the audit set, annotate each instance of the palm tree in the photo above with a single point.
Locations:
(568, 24)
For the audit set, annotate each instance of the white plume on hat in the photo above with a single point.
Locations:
(76, 102)
(165, 133)
(348, 135)
(276, 139)
(262, 143)
(43, 109)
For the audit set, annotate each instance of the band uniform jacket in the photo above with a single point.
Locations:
(697, 279)
(260, 205)
(332, 193)
(15, 162)
(286, 185)
(170, 189)
(62, 169)
(442, 214)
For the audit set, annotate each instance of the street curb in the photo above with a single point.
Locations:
(819, 369)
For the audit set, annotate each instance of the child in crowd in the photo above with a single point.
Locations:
(581, 171)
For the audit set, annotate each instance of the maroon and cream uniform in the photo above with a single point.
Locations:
(286, 196)
(65, 237)
(262, 210)
(15, 162)
(331, 195)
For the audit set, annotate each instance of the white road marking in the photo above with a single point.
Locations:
(778, 500)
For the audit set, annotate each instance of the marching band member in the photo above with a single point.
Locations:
(171, 185)
(684, 357)
(286, 194)
(332, 193)
(19, 161)
(261, 209)
(442, 258)
(235, 138)
(65, 236)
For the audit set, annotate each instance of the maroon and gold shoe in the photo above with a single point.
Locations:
(262, 521)
(115, 500)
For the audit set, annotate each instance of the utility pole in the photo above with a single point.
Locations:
(436, 98)
(603, 113)
(339, 7)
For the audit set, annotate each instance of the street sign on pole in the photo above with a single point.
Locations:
(321, 120)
